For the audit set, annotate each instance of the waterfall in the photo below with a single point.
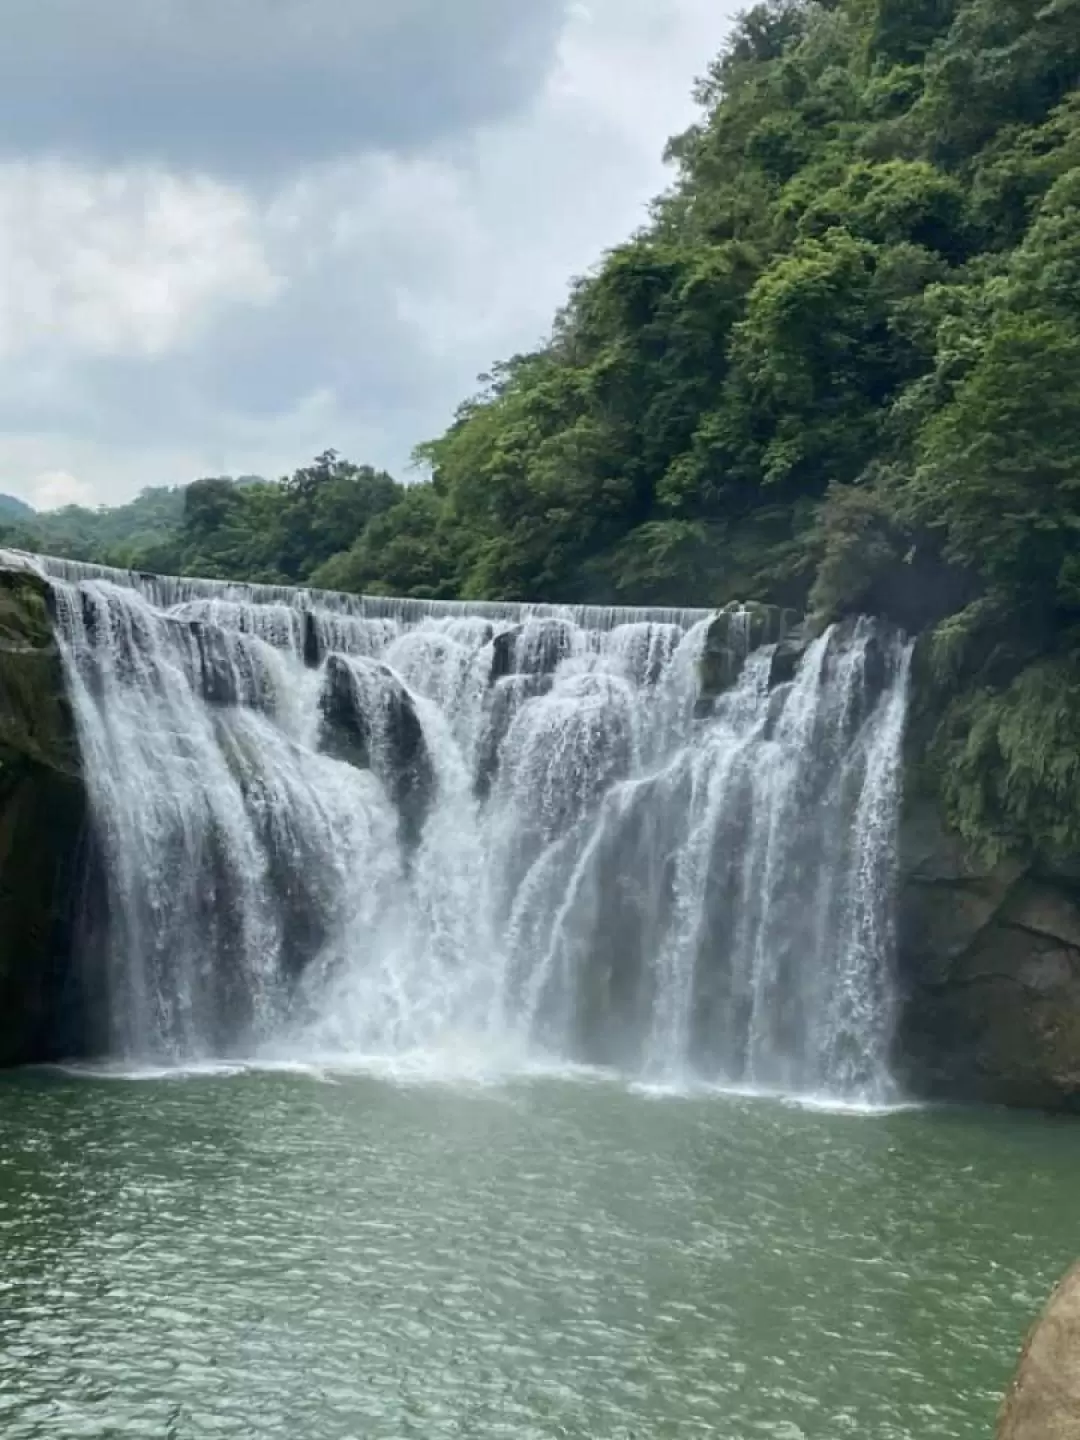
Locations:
(375, 827)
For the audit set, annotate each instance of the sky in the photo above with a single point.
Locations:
(234, 233)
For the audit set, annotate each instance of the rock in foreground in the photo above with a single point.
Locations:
(1043, 1402)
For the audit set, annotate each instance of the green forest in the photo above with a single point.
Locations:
(839, 369)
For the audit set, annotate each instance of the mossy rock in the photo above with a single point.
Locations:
(36, 721)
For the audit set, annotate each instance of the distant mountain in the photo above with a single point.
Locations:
(140, 532)
(12, 508)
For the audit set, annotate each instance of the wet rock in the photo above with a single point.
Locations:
(785, 661)
(1046, 906)
(44, 836)
(737, 630)
(369, 720)
(218, 677)
(44, 847)
(225, 667)
(313, 656)
(1043, 1402)
(504, 700)
(535, 648)
(989, 969)
(215, 679)
(876, 668)
(346, 727)
(502, 658)
(769, 624)
(727, 645)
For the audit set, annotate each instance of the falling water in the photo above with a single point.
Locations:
(386, 827)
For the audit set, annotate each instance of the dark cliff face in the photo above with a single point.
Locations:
(988, 949)
(45, 849)
(989, 965)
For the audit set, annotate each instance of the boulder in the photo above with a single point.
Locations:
(1043, 1402)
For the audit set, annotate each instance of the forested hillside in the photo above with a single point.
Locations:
(243, 528)
(120, 535)
(839, 368)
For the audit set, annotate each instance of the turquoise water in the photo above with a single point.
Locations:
(317, 1257)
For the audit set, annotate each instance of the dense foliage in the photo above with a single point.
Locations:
(277, 532)
(840, 367)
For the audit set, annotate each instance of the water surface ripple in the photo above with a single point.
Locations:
(264, 1255)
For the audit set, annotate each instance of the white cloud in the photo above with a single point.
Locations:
(55, 488)
(510, 218)
(155, 326)
(120, 262)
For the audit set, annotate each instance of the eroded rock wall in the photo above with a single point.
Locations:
(989, 964)
(44, 836)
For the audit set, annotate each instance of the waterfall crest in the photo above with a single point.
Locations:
(373, 827)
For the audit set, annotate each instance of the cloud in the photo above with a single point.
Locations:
(120, 262)
(55, 488)
(352, 302)
(253, 86)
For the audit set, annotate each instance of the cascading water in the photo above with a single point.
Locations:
(350, 827)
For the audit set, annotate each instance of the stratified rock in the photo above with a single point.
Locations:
(1043, 1402)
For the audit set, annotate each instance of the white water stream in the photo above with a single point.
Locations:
(390, 828)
